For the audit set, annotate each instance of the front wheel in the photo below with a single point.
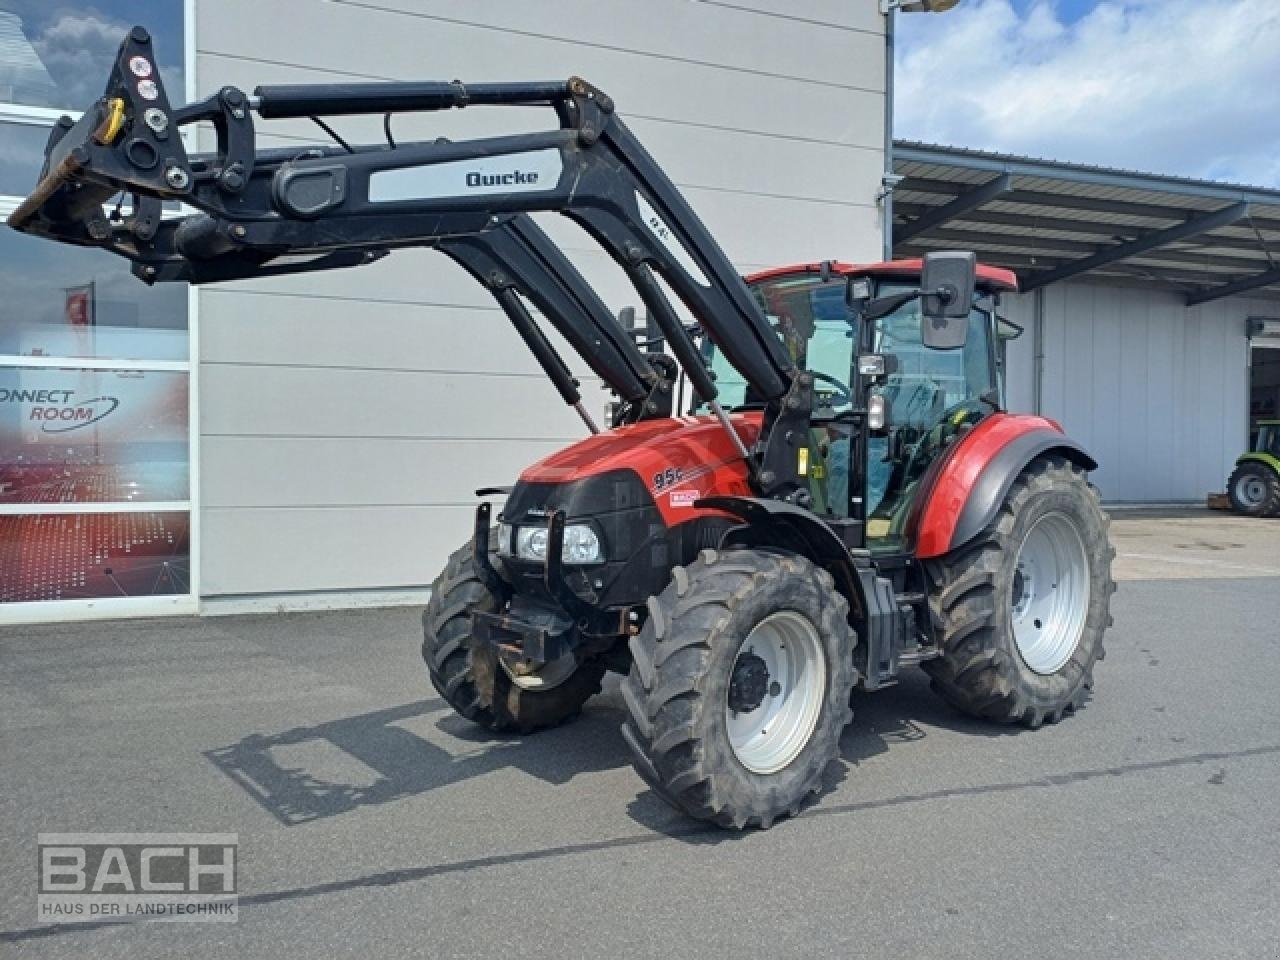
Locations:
(739, 686)
(474, 680)
(1254, 489)
(1021, 612)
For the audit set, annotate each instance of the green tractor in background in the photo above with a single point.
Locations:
(1254, 487)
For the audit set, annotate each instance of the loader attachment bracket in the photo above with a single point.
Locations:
(130, 141)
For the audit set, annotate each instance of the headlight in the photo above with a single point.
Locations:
(504, 539)
(581, 545)
(531, 543)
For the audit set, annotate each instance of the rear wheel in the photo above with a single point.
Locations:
(739, 686)
(1022, 610)
(475, 681)
(1254, 489)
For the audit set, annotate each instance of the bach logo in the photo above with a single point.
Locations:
(92, 877)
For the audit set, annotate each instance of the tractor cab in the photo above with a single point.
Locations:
(886, 403)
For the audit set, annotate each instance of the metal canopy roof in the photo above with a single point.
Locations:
(1053, 221)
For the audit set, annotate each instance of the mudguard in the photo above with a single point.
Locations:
(885, 625)
(1259, 457)
(972, 482)
(782, 524)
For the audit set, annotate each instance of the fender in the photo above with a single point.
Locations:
(784, 524)
(976, 475)
(884, 623)
(1259, 457)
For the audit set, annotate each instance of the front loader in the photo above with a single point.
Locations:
(843, 497)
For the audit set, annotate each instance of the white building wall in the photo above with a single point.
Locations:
(1156, 391)
(346, 417)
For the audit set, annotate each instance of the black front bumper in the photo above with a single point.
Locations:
(537, 643)
(538, 630)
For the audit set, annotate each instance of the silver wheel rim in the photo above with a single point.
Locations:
(1250, 490)
(1050, 593)
(769, 737)
(550, 675)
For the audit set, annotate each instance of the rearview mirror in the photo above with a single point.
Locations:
(947, 282)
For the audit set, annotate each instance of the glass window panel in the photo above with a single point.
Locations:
(58, 54)
(63, 301)
(92, 436)
(93, 555)
(21, 155)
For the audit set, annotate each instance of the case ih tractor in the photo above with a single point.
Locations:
(841, 498)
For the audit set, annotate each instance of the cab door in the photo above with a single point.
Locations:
(932, 397)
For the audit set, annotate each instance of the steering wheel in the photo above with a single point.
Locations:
(921, 445)
(927, 445)
(843, 397)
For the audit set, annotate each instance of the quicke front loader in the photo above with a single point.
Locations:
(842, 496)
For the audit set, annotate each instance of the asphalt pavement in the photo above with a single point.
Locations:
(374, 823)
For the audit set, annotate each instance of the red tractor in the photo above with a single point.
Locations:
(841, 496)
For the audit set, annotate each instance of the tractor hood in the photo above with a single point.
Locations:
(676, 460)
(636, 487)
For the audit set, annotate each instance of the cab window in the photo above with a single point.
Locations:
(812, 320)
(928, 382)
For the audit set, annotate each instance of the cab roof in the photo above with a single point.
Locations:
(989, 278)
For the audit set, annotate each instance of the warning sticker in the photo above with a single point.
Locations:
(684, 498)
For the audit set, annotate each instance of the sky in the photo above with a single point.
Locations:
(1188, 87)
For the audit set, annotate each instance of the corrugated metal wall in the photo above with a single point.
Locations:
(1155, 390)
(346, 417)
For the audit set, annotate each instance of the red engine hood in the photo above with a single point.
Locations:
(678, 459)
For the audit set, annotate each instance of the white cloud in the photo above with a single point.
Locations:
(1170, 86)
(77, 50)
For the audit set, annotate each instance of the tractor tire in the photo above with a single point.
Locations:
(766, 632)
(1254, 489)
(1020, 612)
(471, 677)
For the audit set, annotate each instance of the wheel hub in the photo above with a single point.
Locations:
(749, 683)
(1251, 491)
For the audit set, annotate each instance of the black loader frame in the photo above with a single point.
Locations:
(261, 211)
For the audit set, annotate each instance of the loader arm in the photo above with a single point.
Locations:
(276, 211)
(518, 257)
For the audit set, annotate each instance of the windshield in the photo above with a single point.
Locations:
(812, 319)
(1268, 439)
(930, 382)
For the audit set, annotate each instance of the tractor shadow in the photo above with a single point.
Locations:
(336, 767)
(882, 721)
